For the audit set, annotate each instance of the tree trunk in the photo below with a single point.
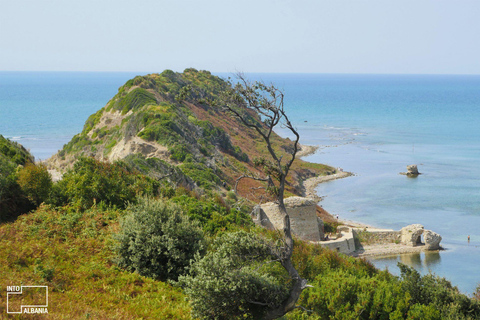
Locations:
(299, 284)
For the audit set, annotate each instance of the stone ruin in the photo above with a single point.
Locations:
(412, 236)
(304, 222)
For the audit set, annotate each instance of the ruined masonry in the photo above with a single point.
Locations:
(303, 218)
(411, 236)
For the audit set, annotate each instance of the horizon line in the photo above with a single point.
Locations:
(246, 72)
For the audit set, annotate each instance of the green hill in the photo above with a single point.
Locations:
(173, 123)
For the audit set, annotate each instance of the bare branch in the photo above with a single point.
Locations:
(268, 104)
(303, 308)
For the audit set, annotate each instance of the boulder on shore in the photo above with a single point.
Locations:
(432, 240)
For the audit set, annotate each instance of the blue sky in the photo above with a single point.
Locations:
(335, 36)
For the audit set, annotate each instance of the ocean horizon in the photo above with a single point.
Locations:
(371, 125)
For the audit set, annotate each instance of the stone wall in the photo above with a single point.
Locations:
(303, 217)
(345, 244)
(378, 237)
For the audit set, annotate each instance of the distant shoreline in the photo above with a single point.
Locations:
(310, 184)
(366, 251)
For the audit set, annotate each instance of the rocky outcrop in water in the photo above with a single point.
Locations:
(432, 240)
(412, 171)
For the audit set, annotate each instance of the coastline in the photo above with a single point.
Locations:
(367, 250)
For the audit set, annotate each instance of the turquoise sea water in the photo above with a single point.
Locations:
(372, 125)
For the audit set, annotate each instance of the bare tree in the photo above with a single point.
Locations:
(261, 107)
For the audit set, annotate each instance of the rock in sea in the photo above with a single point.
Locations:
(412, 171)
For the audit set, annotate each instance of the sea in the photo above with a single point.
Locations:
(370, 125)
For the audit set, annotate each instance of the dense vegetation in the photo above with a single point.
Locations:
(145, 237)
(18, 179)
(158, 240)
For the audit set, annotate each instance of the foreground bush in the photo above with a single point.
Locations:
(349, 288)
(157, 240)
(237, 279)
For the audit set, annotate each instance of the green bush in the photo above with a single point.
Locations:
(157, 240)
(92, 181)
(203, 176)
(179, 152)
(35, 182)
(213, 217)
(134, 100)
(237, 279)
(12, 199)
(14, 152)
(349, 288)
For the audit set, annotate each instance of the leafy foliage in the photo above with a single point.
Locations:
(92, 181)
(13, 200)
(214, 216)
(203, 176)
(134, 100)
(349, 288)
(35, 182)
(157, 240)
(237, 279)
(14, 151)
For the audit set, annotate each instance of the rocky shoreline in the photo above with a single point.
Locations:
(366, 250)
(312, 183)
(305, 150)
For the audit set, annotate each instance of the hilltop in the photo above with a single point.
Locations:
(173, 125)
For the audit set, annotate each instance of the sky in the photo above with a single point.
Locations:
(301, 36)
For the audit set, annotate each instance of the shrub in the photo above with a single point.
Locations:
(14, 151)
(12, 200)
(238, 279)
(213, 217)
(92, 181)
(179, 152)
(35, 182)
(157, 240)
(203, 176)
